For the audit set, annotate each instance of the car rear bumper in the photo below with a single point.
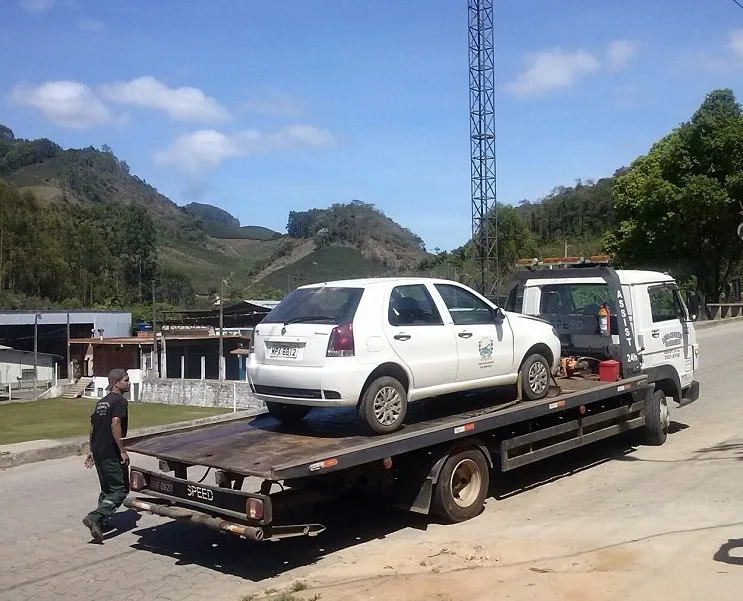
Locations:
(328, 386)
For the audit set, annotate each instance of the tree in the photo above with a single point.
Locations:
(677, 207)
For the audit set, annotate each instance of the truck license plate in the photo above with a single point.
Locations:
(284, 352)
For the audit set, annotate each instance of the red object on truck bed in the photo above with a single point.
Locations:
(609, 371)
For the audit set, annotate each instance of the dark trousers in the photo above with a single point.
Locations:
(114, 479)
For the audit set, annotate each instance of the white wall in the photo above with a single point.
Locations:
(13, 362)
(135, 392)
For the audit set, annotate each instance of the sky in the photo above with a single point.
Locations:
(262, 107)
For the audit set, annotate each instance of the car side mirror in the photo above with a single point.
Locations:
(499, 316)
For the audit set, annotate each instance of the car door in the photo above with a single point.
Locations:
(666, 338)
(420, 338)
(485, 348)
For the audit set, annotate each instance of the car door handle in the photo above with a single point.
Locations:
(402, 337)
(465, 334)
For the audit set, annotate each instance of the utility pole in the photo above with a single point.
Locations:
(36, 350)
(69, 363)
(155, 355)
(221, 330)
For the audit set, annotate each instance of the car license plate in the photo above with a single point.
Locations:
(284, 352)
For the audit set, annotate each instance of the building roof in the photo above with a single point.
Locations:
(138, 340)
(4, 348)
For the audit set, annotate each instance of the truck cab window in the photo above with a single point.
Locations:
(574, 299)
(665, 304)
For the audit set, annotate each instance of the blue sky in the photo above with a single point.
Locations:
(263, 107)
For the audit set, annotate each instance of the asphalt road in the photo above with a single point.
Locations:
(613, 521)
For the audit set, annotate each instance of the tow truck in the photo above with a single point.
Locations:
(437, 464)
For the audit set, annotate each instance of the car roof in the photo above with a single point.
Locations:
(366, 282)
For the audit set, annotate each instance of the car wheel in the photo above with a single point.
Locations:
(287, 413)
(383, 405)
(535, 377)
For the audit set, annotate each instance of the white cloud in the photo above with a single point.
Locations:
(551, 70)
(275, 103)
(735, 43)
(41, 6)
(203, 150)
(181, 104)
(37, 6)
(66, 103)
(620, 52)
(92, 25)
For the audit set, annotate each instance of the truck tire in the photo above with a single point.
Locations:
(287, 413)
(657, 418)
(383, 406)
(462, 486)
(535, 377)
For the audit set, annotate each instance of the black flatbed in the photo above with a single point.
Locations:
(261, 446)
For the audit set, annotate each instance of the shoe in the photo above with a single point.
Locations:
(95, 529)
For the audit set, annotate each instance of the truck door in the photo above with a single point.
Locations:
(667, 337)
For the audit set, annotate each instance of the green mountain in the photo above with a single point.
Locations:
(111, 234)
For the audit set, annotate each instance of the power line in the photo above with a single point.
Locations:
(738, 3)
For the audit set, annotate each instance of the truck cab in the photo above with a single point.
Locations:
(646, 325)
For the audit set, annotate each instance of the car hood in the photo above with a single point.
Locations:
(521, 316)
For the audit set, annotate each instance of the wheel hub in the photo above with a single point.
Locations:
(538, 377)
(387, 406)
(465, 483)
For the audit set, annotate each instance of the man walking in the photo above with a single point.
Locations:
(108, 425)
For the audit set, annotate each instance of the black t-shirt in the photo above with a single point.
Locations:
(103, 445)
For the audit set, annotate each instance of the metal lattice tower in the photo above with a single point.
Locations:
(482, 143)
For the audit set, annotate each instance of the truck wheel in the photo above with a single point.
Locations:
(535, 377)
(287, 413)
(383, 405)
(657, 418)
(462, 486)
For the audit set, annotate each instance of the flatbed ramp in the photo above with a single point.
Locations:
(329, 440)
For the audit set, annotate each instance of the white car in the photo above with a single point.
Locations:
(378, 344)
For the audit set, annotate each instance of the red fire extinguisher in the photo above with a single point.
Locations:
(604, 316)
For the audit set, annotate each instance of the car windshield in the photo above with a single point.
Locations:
(317, 305)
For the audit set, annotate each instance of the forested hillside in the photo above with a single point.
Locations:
(78, 229)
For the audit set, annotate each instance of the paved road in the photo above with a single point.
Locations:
(609, 522)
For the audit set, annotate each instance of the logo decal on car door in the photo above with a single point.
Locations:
(485, 346)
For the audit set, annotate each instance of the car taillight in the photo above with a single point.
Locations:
(254, 509)
(137, 481)
(341, 341)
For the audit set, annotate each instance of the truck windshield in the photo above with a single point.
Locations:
(574, 299)
(317, 305)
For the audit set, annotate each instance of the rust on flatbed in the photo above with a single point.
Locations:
(261, 446)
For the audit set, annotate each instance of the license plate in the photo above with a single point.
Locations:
(283, 352)
(205, 495)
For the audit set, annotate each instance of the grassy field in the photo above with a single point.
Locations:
(64, 418)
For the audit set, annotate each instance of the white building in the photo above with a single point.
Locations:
(17, 368)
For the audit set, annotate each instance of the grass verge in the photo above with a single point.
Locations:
(65, 418)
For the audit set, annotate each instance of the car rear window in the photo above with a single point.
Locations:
(317, 305)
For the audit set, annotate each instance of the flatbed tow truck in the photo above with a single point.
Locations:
(434, 465)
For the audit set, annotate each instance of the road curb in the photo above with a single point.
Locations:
(713, 323)
(69, 447)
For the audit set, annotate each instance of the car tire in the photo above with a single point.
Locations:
(383, 406)
(657, 418)
(535, 377)
(462, 486)
(287, 413)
